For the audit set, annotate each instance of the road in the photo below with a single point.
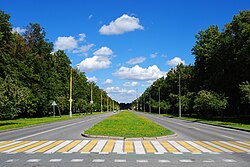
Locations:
(60, 144)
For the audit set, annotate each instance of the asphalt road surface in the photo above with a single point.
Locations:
(61, 144)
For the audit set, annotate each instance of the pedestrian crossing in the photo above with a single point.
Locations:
(121, 146)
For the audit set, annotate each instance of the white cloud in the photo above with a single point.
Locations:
(18, 30)
(153, 55)
(118, 90)
(136, 60)
(121, 25)
(83, 49)
(108, 81)
(175, 61)
(66, 43)
(131, 84)
(139, 73)
(82, 37)
(92, 79)
(103, 51)
(100, 60)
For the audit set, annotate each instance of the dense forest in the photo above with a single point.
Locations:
(32, 76)
(217, 84)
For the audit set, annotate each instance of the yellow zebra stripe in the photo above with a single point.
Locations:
(49, 146)
(69, 146)
(168, 146)
(228, 147)
(128, 146)
(30, 146)
(189, 147)
(89, 146)
(109, 146)
(15, 145)
(208, 147)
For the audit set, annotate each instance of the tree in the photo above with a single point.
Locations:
(209, 103)
(245, 92)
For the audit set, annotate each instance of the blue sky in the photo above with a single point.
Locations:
(123, 45)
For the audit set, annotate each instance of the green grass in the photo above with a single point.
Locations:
(24, 122)
(129, 125)
(231, 122)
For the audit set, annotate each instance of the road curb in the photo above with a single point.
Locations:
(129, 139)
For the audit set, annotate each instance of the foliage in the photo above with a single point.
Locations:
(221, 66)
(32, 75)
(209, 102)
(245, 92)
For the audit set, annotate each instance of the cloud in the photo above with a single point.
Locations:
(83, 49)
(100, 60)
(136, 60)
(153, 55)
(90, 17)
(121, 25)
(92, 79)
(18, 30)
(139, 73)
(82, 37)
(66, 43)
(108, 81)
(103, 51)
(130, 84)
(118, 90)
(175, 61)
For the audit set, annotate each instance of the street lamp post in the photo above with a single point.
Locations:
(159, 89)
(70, 94)
(180, 93)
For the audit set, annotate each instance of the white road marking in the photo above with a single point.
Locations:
(186, 160)
(16, 142)
(15, 148)
(33, 160)
(241, 148)
(177, 153)
(60, 127)
(99, 146)
(178, 146)
(79, 146)
(163, 161)
(158, 146)
(229, 160)
(120, 160)
(98, 160)
(139, 147)
(103, 153)
(55, 160)
(141, 161)
(54, 149)
(77, 160)
(227, 136)
(243, 143)
(208, 161)
(219, 147)
(198, 146)
(38, 147)
(12, 160)
(118, 148)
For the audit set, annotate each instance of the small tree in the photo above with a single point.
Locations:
(209, 103)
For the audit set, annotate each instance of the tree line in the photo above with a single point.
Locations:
(32, 76)
(217, 84)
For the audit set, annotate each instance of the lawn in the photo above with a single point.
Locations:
(24, 122)
(129, 125)
(232, 122)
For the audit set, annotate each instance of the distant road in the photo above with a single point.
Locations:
(188, 130)
(70, 129)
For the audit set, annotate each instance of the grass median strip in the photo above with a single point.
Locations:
(129, 125)
(24, 122)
